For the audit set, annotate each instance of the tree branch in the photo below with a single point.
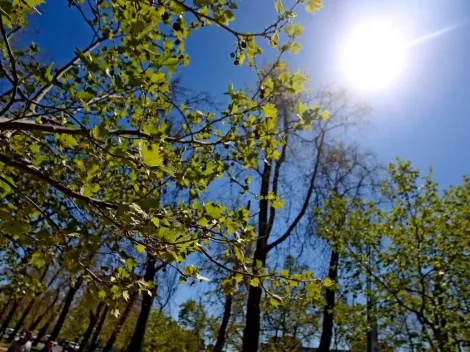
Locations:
(62, 71)
(54, 183)
(306, 201)
(28, 125)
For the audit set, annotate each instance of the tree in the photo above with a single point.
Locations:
(120, 323)
(290, 325)
(93, 319)
(167, 336)
(303, 153)
(349, 174)
(194, 318)
(89, 147)
(146, 305)
(74, 287)
(419, 273)
(109, 117)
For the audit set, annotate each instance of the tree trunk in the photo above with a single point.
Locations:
(20, 321)
(219, 345)
(328, 313)
(28, 308)
(253, 313)
(147, 301)
(9, 316)
(4, 309)
(96, 335)
(65, 309)
(120, 323)
(91, 325)
(38, 320)
(42, 331)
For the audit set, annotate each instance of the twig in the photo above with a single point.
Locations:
(54, 183)
(46, 215)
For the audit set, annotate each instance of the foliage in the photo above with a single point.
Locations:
(410, 247)
(90, 148)
(166, 335)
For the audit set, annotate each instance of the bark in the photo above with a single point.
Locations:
(147, 301)
(38, 320)
(253, 313)
(328, 311)
(4, 308)
(65, 309)
(219, 345)
(9, 316)
(91, 326)
(28, 308)
(440, 322)
(42, 331)
(20, 321)
(96, 334)
(120, 323)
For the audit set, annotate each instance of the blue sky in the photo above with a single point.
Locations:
(423, 117)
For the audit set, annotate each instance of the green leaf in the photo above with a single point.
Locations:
(156, 222)
(48, 74)
(278, 6)
(90, 190)
(214, 210)
(203, 222)
(18, 227)
(200, 3)
(157, 77)
(140, 248)
(5, 8)
(85, 96)
(269, 110)
(4, 188)
(277, 203)
(295, 48)
(298, 81)
(68, 141)
(92, 170)
(151, 155)
(38, 260)
(137, 26)
(101, 294)
(35, 148)
(170, 64)
(328, 283)
(255, 282)
(99, 131)
(313, 5)
(275, 301)
(300, 108)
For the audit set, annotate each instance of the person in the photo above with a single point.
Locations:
(23, 344)
(49, 347)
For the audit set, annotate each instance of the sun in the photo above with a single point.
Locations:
(373, 56)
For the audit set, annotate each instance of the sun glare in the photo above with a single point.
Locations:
(373, 56)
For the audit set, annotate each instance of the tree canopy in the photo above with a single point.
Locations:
(118, 183)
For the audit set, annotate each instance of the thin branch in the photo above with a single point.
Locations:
(306, 201)
(28, 125)
(54, 183)
(62, 71)
(33, 203)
